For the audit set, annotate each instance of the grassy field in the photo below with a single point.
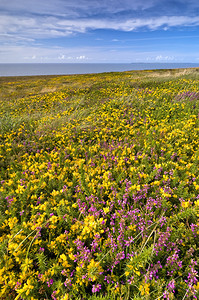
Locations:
(99, 189)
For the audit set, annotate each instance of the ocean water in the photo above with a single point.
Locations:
(83, 68)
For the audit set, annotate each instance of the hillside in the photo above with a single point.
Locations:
(99, 189)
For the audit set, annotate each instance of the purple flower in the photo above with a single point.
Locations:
(166, 295)
(9, 200)
(40, 276)
(171, 286)
(53, 295)
(96, 288)
(50, 282)
(169, 289)
(194, 229)
(67, 283)
(192, 278)
(17, 285)
(131, 280)
(64, 188)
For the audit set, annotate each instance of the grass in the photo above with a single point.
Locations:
(99, 190)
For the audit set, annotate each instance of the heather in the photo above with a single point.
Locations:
(99, 189)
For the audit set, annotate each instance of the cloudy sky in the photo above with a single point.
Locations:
(117, 31)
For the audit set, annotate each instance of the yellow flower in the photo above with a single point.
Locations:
(65, 297)
(26, 288)
(127, 273)
(12, 222)
(132, 227)
(196, 286)
(53, 219)
(55, 193)
(20, 189)
(106, 210)
(185, 204)
(144, 289)
(94, 269)
(197, 202)
(71, 256)
(63, 260)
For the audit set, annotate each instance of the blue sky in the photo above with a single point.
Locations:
(101, 31)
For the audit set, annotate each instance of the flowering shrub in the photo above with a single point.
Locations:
(100, 189)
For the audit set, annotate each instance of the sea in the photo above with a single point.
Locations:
(25, 69)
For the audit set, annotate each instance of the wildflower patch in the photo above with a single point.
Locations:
(99, 188)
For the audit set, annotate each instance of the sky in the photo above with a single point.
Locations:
(99, 31)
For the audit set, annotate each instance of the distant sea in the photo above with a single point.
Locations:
(83, 68)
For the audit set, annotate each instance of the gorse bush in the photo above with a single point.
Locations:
(99, 187)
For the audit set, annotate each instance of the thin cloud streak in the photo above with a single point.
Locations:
(54, 27)
(83, 8)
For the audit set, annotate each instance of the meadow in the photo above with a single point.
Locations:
(99, 186)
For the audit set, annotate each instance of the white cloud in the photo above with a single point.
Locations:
(81, 57)
(158, 58)
(164, 58)
(156, 23)
(61, 57)
(85, 8)
(27, 28)
(128, 25)
(74, 8)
